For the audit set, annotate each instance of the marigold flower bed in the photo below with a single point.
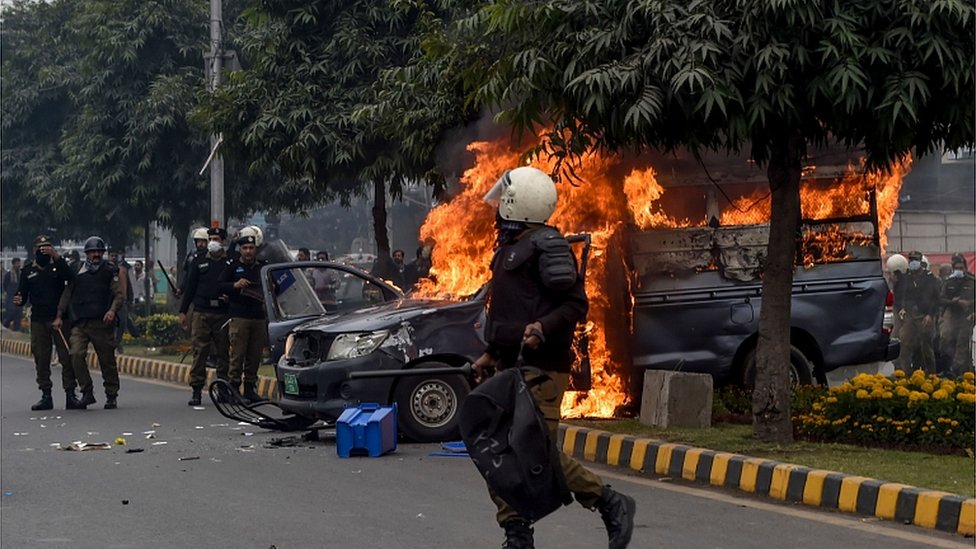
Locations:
(917, 411)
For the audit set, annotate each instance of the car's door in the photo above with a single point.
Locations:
(300, 291)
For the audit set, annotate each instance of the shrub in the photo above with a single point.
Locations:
(915, 411)
(160, 329)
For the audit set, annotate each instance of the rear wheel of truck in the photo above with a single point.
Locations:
(429, 406)
(801, 369)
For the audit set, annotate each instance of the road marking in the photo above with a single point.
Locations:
(847, 521)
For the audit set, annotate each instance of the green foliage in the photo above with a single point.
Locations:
(316, 104)
(885, 76)
(919, 410)
(160, 329)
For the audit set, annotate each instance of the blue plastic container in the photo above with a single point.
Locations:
(369, 429)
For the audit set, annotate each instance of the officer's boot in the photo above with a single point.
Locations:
(518, 534)
(71, 401)
(111, 402)
(46, 402)
(196, 398)
(617, 511)
(250, 393)
(87, 398)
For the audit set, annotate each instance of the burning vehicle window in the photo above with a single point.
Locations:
(355, 292)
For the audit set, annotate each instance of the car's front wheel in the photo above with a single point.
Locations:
(428, 406)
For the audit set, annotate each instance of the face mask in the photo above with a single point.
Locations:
(213, 246)
(914, 265)
(42, 259)
(958, 273)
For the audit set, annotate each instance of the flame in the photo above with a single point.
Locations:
(464, 234)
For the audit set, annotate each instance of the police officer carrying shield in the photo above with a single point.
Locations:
(536, 299)
(42, 284)
(94, 298)
(241, 281)
(209, 312)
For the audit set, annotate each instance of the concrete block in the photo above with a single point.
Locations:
(676, 399)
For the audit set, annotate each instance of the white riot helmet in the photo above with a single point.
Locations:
(252, 230)
(897, 263)
(200, 234)
(524, 194)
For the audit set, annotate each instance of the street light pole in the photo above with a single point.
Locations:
(216, 68)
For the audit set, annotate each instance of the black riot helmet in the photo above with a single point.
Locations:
(94, 243)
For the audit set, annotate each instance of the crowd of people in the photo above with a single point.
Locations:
(933, 314)
(76, 302)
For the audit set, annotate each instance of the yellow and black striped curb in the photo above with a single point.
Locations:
(781, 481)
(160, 370)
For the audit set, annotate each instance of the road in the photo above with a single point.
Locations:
(236, 492)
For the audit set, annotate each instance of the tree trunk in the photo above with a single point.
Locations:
(771, 395)
(379, 220)
(147, 267)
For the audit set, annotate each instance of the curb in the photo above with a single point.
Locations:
(780, 481)
(651, 457)
(149, 368)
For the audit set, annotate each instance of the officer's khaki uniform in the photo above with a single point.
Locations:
(90, 296)
(207, 328)
(248, 338)
(43, 336)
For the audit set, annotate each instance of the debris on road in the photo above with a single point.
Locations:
(189, 458)
(134, 450)
(79, 446)
(120, 441)
(160, 443)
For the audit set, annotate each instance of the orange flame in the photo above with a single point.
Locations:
(464, 234)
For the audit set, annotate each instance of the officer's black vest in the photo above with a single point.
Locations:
(92, 293)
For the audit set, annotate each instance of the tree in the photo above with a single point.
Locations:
(36, 103)
(308, 106)
(773, 77)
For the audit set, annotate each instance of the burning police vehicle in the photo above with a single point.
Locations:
(341, 337)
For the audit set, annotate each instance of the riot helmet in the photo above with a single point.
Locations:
(525, 194)
(94, 243)
(897, 263)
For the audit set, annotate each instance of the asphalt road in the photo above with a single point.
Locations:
(235, 492)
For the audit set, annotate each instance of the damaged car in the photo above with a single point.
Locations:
(341, 337)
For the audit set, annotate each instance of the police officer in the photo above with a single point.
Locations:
(917, 296)
(958, 295)
(209, 312)
(200, 241)
(241, 281)
(537, 298)
(117, 257)
(42, 284)
(94, 297)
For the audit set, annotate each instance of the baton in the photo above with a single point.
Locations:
(169, 280)
(63, 340)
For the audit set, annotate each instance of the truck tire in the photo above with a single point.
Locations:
(428, 406)
(801, 369)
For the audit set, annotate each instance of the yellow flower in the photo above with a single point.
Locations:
(861, 394)
(831, 400)
(902, 392)
(966, 397)
(899, 373)
(887, 394)
(927, 387)
(940, 395)
(969, 376)
(924, 429)
(955, 423)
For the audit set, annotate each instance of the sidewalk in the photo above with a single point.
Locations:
(654, 458)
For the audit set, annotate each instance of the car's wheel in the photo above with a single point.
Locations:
(801, 369)
(429, 406)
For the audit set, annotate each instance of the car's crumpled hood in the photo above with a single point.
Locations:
(380, 316)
